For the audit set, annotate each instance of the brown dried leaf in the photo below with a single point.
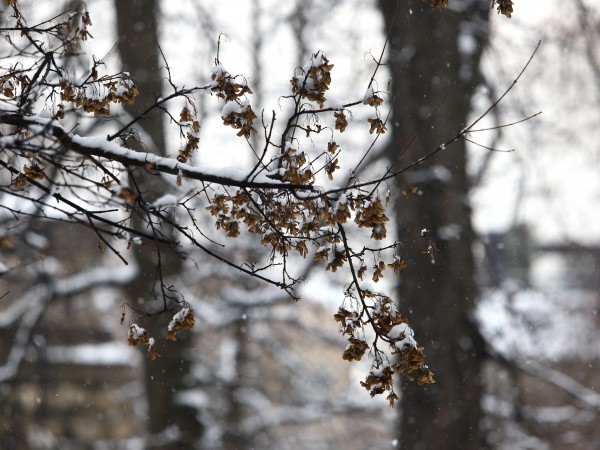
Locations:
(340, 121)
(504, 7)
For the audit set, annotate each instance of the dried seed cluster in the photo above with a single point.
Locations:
(391, 328)
(313, 80)
(237, 112)
(97, 95)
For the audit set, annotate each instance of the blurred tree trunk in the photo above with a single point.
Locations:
(137, 27)
(236, 408)
(437, 291)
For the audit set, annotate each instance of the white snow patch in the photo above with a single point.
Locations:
(178, 318)
(165, 200)
(99, 354)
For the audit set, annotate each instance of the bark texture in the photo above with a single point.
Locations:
(429, 70)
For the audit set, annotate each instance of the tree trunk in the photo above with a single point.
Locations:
(437, 290)
(165, 377)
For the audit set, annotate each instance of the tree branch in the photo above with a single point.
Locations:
(101, 147)
(568, 385)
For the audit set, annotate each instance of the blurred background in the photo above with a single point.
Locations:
(507, 312)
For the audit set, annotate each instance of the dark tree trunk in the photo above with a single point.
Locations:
(437, 290)
(137, 30)
(137, 27)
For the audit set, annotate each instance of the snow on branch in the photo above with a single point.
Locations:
(103, 148)
(35, 300)
(570, 386)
